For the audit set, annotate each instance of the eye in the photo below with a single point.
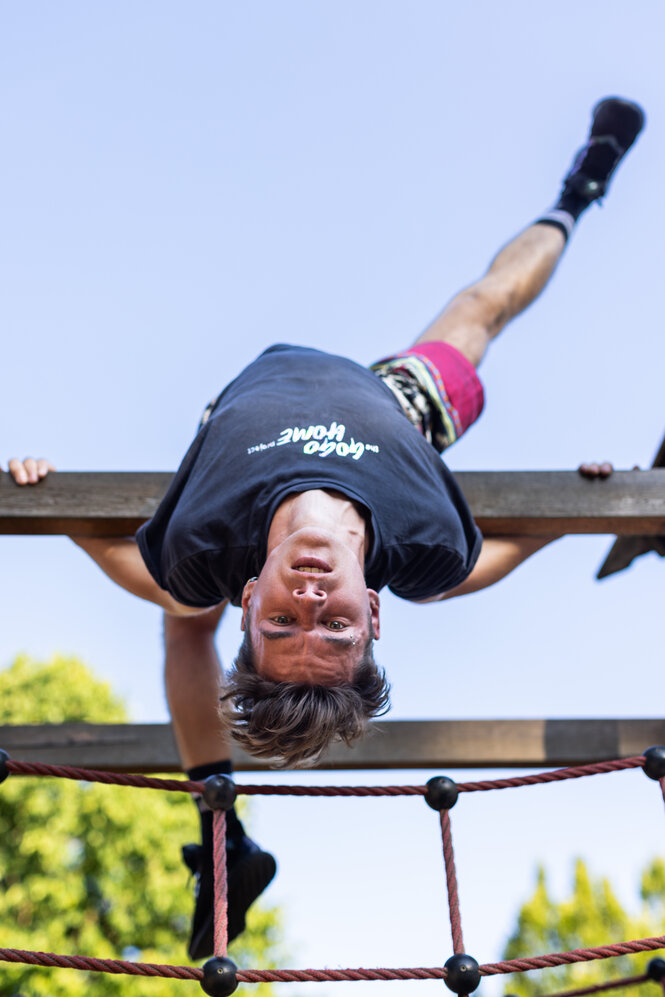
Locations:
(281, 621)
(335, 625)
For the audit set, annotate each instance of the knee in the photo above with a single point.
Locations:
(490, 302)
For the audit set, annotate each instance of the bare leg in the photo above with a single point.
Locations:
(516, 276)
(193, 679)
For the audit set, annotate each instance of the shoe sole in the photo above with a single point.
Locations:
(622, 119)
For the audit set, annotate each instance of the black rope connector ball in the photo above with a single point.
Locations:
(656, 970)
(4, 771)
(462, 974)
(219, 977)
(654, 762)
(219, 792)
(441, 793)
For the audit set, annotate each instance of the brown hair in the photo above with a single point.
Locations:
(293, 722)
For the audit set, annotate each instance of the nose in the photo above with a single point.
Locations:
(310, 602)
(309, 594)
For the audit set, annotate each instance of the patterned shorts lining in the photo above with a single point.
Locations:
(418, 387)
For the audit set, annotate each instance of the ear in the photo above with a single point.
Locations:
(374, 603)
(246, 600)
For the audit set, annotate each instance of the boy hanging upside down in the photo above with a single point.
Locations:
(312, 483)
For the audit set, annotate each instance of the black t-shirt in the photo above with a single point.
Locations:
(294, 420)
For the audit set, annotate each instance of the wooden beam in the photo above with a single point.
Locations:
(533, 503)
(396, 744)
(542, 503)
(88, 503)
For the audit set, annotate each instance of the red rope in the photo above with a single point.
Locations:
(117, 966)
(187, 786)
(221, 886)
(50, 959)
(313, 975)
(322, 975)
(555, 775)
(627, 981)
(256, 790)
(336, 975)
(436, 973)
(576, 955)
(108, 778)
(451, 883)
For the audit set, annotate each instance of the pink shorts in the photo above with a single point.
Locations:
(437, 387)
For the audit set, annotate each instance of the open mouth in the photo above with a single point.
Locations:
(312, 566)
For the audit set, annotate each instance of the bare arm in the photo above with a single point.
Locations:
(498, 557)
(119, 558)
(501, 555)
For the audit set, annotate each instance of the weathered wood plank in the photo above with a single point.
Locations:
(541, 503)
(84, 503)
(536, 503)
(396, 744)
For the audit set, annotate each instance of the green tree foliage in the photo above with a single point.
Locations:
(95, 870)
(590, 916)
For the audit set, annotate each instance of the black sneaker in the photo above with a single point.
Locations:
(615, 125)
(249, 872)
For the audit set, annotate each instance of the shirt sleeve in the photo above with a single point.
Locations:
(431, 571)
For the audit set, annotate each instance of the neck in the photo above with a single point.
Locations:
(321, 509)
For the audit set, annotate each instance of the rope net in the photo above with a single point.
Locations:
(219, 976)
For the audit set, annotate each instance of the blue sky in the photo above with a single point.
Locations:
(184, 186)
